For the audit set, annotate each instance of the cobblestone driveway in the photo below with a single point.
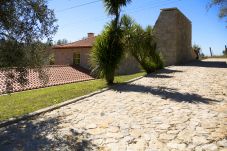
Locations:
(179, 108)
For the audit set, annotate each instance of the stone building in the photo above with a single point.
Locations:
(173, 31)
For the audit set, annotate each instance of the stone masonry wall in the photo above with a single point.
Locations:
(128, 65)
(174, 33)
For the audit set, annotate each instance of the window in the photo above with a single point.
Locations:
(76, 59)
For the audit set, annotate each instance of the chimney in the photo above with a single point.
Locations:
(90, 35)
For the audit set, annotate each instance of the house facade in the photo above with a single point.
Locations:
(78, 53)
(173, 31)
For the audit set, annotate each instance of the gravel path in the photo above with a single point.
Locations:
(179, 108)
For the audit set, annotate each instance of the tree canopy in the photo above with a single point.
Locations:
(23, 25)
(223, 7)
(26, 20)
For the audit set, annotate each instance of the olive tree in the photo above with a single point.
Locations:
(24, 24)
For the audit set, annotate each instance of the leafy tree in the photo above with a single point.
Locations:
(223, 7)
(23, 25)
(196, 48)
(141, 44)
(109, 43)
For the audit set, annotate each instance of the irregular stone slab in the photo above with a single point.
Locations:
(223, 143)
(91, 126)
(210, 147)
(166, 136)
(176, 146)
(199, 140)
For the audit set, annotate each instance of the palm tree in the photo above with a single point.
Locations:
(141, 44)
(108, 48)
(113, 7)
(106, 53)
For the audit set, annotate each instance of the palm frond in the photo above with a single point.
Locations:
(141, 44)
(114, 6)
(107, 53)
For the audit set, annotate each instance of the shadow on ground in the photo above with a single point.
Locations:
(167, 71)
(163, 73)
(165, 93)
(169, 93)
(28, 136)
(208, 64)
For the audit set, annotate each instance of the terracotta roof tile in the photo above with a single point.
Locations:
(84, 43)
(57, 75)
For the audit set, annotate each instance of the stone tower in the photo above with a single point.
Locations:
(174, 33)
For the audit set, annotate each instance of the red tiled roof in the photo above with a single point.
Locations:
(84, 43)
(57, 75)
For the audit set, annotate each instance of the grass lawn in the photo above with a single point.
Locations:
(20, 103)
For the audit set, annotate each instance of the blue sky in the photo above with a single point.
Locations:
(207, 29)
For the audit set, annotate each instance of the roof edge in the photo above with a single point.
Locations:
(169, 9)
(60, 47)
(175, 9)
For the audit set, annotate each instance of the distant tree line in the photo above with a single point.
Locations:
(61, 41)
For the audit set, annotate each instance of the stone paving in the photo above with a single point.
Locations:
(179, 108)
